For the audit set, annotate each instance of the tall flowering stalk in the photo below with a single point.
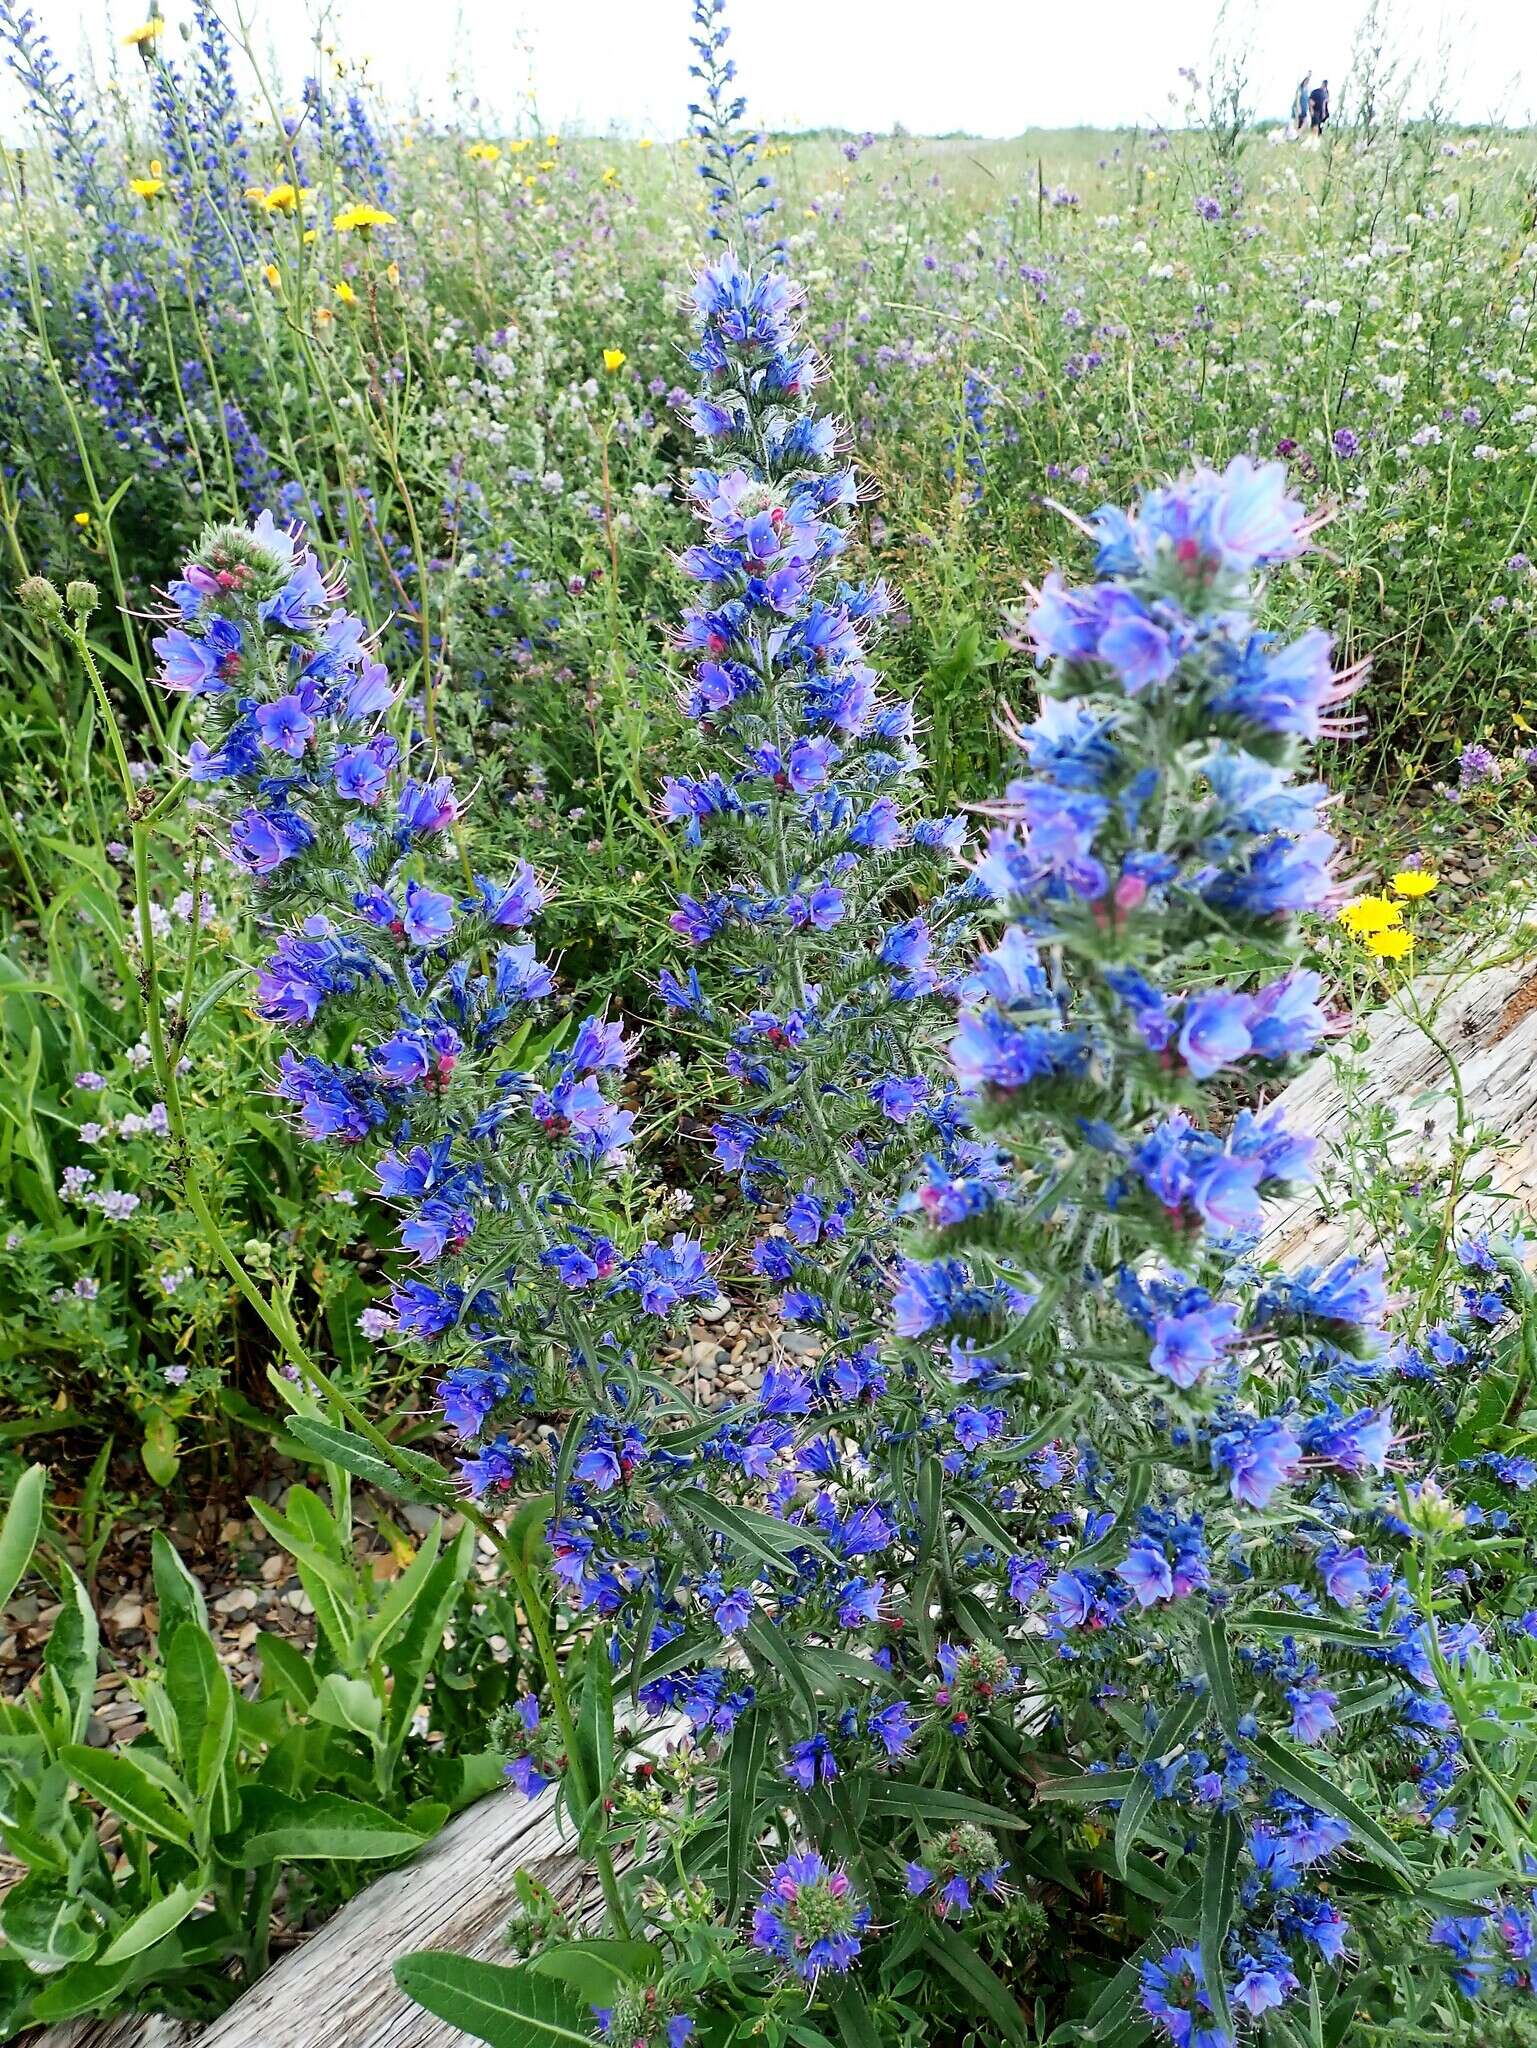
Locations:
(417, 1015)
(823, 914)
(738, 193)
(1195, 1532)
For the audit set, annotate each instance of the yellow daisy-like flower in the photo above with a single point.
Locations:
(545, 164)
(610, 176)
(146, 32)
(345, 292)
(392, 274)
(282, 198)
(483, 152)
(552, 142)
(1391, 944)
(361, 219)
(517, 148)
(1414, 882)
(82, 519)
(149, 187)
(646, 142)
(1363, 915)
(273, 275)
(614, 359)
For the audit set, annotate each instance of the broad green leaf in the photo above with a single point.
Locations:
(507, 2008)
(179, 1595)
(69, 1661)
(22, 1526)
(203, 1701)
(277, 1828)
(48, 1924)
(597, 1966)
(116, 1779)
(155, 1922)
(286, 1671)
(350, 1703)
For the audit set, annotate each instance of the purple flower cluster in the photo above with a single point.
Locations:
(403, 984)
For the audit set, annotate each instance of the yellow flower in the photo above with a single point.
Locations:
(646, 142)
(82, 519)
(324, 316)
(282, 198)
(517, 148)
(614, 359)
(483, 152)
(308, 236)
(146, 32)
(149, 187)
(363, 218)
(610, 176)
(345, 292)
(545, 164)
(552, 142)
(1414, 881)
(392, 272)
(272, 274)
(1389, 945)
(1363, 915)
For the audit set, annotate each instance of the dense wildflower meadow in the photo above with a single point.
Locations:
(606, 735)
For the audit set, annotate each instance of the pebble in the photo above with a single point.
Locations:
(240, 1601)
(126, 1612)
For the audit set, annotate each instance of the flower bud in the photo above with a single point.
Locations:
(82, 597)
(40, 599)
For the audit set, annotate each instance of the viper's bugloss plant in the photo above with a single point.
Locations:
(1199, 1531)
(824, 919)
(417, 1016)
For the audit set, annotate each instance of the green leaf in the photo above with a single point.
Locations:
(853, 2017)
(350, 1703)
(749, 1746)
(69, 1661)
(1305, 1783)
(21, 1529)
(286, 1672)
(1087, 1788)
(276, 1828)
(155, 1922)
(158, 1447)
(178, 1594)
(411, 1478)
(48, 1924)
(203, 1701)
(508, 2008)
(1166, 1737)
(1219, 1674)
(933, 1802)
(597, 1966)
(961, 1961)
(412, 1655)
(1218, 1884)
(763, 1537)
(1322, 1628)
(113, 1777)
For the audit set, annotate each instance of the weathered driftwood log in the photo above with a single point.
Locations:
(338, 1992)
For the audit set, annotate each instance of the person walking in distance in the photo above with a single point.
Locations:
(1300, 103)
(1318, 107)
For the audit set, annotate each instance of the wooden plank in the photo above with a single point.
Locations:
(1486, 1018)
(337, 1990)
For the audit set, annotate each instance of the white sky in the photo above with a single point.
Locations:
(994, 67)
